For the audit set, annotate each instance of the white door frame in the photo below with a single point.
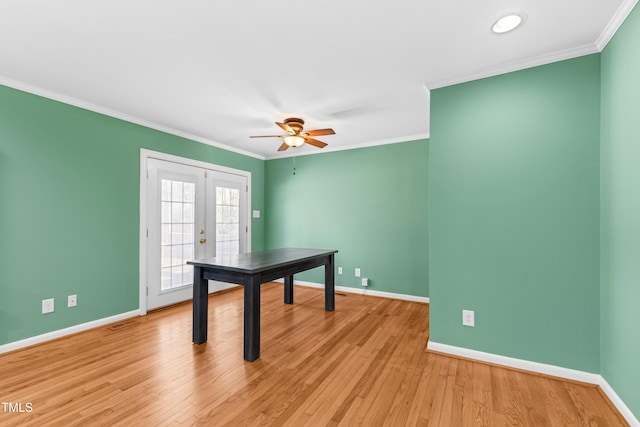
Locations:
(148, 154)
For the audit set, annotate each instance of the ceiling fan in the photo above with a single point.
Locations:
(295, 137)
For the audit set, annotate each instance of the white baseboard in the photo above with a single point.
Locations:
(511, 362)
(615, 399)
(363, 291)
(542, 368)
(5, 348)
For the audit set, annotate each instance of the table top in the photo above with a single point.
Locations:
(256, 262)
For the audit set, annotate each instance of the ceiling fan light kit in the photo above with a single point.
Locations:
(295, 137)
(293, 141)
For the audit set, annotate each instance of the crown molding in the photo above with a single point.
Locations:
(516, 66)
(24, 87)
(598, 46)
(35, 90)
(331, 149)
(607, 34)
(615, 23)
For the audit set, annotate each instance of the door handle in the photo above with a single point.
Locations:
(203, 240)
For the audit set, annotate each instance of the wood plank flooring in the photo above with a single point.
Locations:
(364, 364)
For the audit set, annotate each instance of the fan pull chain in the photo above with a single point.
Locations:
(294, 161)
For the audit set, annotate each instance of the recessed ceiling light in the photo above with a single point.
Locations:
(507, 23)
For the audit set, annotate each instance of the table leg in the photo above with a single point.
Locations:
(329, 285)
(200, 306)
(288, 289)
(252, 319)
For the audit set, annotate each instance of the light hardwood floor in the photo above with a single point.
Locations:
(364, 364)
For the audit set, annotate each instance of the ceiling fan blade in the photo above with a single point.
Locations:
(283, 147)
(268, 136)
(285, 127)
(315, 142)
(319, 132)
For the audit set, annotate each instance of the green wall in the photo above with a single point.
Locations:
(369, 203)
(514, 214)
(620, 213)
(69, 210)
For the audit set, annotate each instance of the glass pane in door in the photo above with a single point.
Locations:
(177, 243)
(227, 221)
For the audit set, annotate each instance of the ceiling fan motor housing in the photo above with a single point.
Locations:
(295, 124)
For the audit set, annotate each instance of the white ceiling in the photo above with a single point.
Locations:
(219, 71)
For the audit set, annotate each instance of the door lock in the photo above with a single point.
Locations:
(203, 240)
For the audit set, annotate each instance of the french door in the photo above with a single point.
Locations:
(229, 213)
(192, 212)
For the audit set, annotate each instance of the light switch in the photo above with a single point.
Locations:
(256, 214)
(468, 318)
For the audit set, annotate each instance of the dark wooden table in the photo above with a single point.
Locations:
(251, 270)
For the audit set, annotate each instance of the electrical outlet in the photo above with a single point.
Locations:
(72, 300)
(365, 282)
(339, 270)
(47, 306)
(357, 272)
(468, 318)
